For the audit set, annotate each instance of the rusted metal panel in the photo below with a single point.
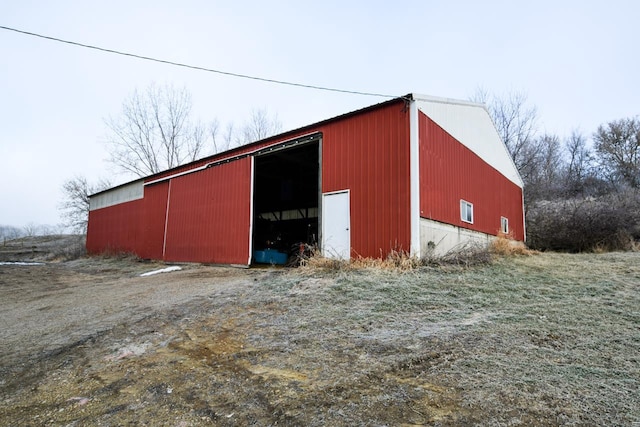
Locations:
(450, 172)
(369, 155)
(209, 215)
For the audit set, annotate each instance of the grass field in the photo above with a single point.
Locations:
(547, 339)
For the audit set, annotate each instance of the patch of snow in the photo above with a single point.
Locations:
(20, 263)
(162, 270)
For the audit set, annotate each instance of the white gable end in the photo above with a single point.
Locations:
(472, 126)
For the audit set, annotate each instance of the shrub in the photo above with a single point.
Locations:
(607, 223)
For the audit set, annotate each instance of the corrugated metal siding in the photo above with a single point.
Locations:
(210, 210)
(270, 141)
(369, 155)
(153, 221)
(471, 125)
(116, 228)
(209, 215)
(136, 226)
(449, 171)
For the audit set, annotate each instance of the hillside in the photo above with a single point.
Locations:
(42, 248)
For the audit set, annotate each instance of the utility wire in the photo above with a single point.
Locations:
(194, 67)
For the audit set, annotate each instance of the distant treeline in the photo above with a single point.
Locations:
(582, 192)
(9, 232)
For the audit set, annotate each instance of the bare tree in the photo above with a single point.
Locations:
(154, 132)
(75, 205)
(30, 229)
(9, 232)
(617, 147)
(580, 175)
(259, 126)
(228, 136)
(516, 123)
(544, 168)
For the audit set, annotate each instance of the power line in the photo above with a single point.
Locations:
(194, 67)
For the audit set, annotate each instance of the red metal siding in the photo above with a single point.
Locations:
(115, 228)
(152, 223)
(136, 226)
(209, 211)
(209, 215)
(449, 171)
(369, 154)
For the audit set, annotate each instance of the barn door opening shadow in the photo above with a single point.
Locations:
(336, 225)
(285, 202)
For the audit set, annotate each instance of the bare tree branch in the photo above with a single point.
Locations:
(617, 146)
(154, 132)
(75, 205)
(515, 121)
(259, 126)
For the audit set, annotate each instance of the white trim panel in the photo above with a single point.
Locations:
(115, 196)
(251, 213)
(414, 162)
(471, 125)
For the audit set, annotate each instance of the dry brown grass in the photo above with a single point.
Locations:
(401, 261)
(396, 260)
(506, 245)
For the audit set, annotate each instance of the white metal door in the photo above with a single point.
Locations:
(336, 225)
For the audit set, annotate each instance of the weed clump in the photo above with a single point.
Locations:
(506, 245)
(465, 256)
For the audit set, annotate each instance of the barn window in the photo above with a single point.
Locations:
(466, 211)
(504, 225)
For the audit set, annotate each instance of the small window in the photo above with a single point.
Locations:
(466, 211)
(504, 225)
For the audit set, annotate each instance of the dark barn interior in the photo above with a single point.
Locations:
(285, 200)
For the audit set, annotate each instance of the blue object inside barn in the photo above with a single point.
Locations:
(270, 256)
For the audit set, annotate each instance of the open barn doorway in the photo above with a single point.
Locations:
(286, 202)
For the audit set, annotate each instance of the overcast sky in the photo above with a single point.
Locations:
(577, 61)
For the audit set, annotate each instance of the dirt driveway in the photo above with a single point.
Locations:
(546, 340)
(90, 342)
(49, 307)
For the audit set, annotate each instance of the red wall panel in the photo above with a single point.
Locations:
(154, 213)
(115, 228)
(449, 171)
(369, 154)
(209, 215)
(209, 211)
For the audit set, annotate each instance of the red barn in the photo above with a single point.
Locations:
(412, 174)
